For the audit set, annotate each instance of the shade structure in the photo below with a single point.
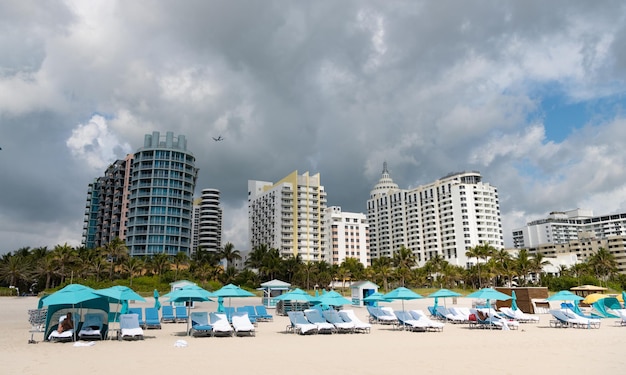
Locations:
(72, 294)
(376, 297)
(332, 298)
(402, 293)
(489, 294)
(443, 293)
(514, 301)
(119, 293)
(594, 297)
(624, 298)
(564, 295)
(296, 295)
(157, 304)
(188, 294)
(231, 290)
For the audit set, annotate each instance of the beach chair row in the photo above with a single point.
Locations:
(205, 324)
(314, 321)
(566, 318)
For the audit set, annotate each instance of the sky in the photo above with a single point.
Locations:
(529, 93)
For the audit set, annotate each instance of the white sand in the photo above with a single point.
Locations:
(534, 348)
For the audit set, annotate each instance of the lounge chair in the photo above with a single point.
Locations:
(332, 317)
(561, 320)
(359, 325)
(315, 317)
(248, 310)
(460, 313)
(581, 321)
(221, 326)
(167, 314)
(378, 315)
(261, 313)
(229, 311)
(92, 327)
(64, 336)
(406, 322)
(621, 313)
(488, 318)
(242, 324)
(445, 314)
(519, 315)
(139, 312)
(181, 314)
(300, 324)
(200, 326)
(431, 325)
(152, 318)
(130, 329)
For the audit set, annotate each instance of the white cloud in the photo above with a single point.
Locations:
(95, 144)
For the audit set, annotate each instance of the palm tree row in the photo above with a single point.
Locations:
(51, 268)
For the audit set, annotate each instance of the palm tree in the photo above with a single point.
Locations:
(271, 263)
(403, 260)
(229, 253)
(434, 266)
(46, 267)
(15, 270)
(523, 265)
(133, 266)
(116, 251)
(504, 263)
(160, 264)
(603, 264)
(343, 274)
(180, 259)
(480, 252)
(308, 268)
(63, 255)
(382, 270)
(537, 262)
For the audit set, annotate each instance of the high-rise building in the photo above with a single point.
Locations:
(567, 226)
(160, 197)
(347, 236)
(446, 217)
(288, 215)
(105, 213)
(209, 225)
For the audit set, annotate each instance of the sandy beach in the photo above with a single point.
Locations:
(534, 348)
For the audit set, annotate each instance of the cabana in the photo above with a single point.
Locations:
(361, 290)
(271, 290)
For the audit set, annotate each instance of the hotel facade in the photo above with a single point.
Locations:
(288, 215)
(446, 217)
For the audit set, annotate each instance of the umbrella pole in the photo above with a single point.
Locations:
(188, 315)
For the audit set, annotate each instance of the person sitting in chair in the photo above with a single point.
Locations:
(66, 324)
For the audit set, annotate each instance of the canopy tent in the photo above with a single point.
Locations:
(77, 299)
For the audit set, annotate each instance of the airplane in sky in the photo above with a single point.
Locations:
(218, 138)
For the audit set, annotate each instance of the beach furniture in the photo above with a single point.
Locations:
(315, 317)
(561, 320)
(261, 313)
(300, 324)
(229, 311)
(250, 311)
(406, 322)
(332, 317)
(242, 324)
(221, 326)
(91, 329)
(130, 329)
(152, 318)
(582, 321)
(378, 315)
(139, 312)
(359, 325)
(200, 326)
(64, 336)
(167, 314)
(181, 314)
(621, 313)
(447, 315)
(519, 315)
(37, 320)
(432, 325)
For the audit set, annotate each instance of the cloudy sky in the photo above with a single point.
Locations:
(530, 93)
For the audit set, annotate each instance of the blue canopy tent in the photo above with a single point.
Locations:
(77, 299)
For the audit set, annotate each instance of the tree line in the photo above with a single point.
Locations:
(39, 269)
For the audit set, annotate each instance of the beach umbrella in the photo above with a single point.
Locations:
(594, 297)
(72, 294)
(231, 291)
(564, 295)
(442, 293)
(624, 298)
(402, 293)
(296, 296)
(376, 297)
(121, 295)
(489, 294)
(332, 298)
(188, 294)
(157, 304)
(514, 301)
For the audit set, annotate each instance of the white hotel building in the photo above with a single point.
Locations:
(347, 235)
(446, 217)
(288, 215)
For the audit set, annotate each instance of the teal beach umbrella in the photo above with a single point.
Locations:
(402, 293)
(514, 301)
(157, 304)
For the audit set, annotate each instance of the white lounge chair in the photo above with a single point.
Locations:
(62, 336)
(432, 325)
(332, 317)
(92, 327)
(315, 317)
(519, 315)
(359, 325)
(242, 324)
(300, 324)
(221, 326)
(581, 321)
(130, 328)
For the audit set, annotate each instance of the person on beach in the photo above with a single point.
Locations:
(66, 324)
